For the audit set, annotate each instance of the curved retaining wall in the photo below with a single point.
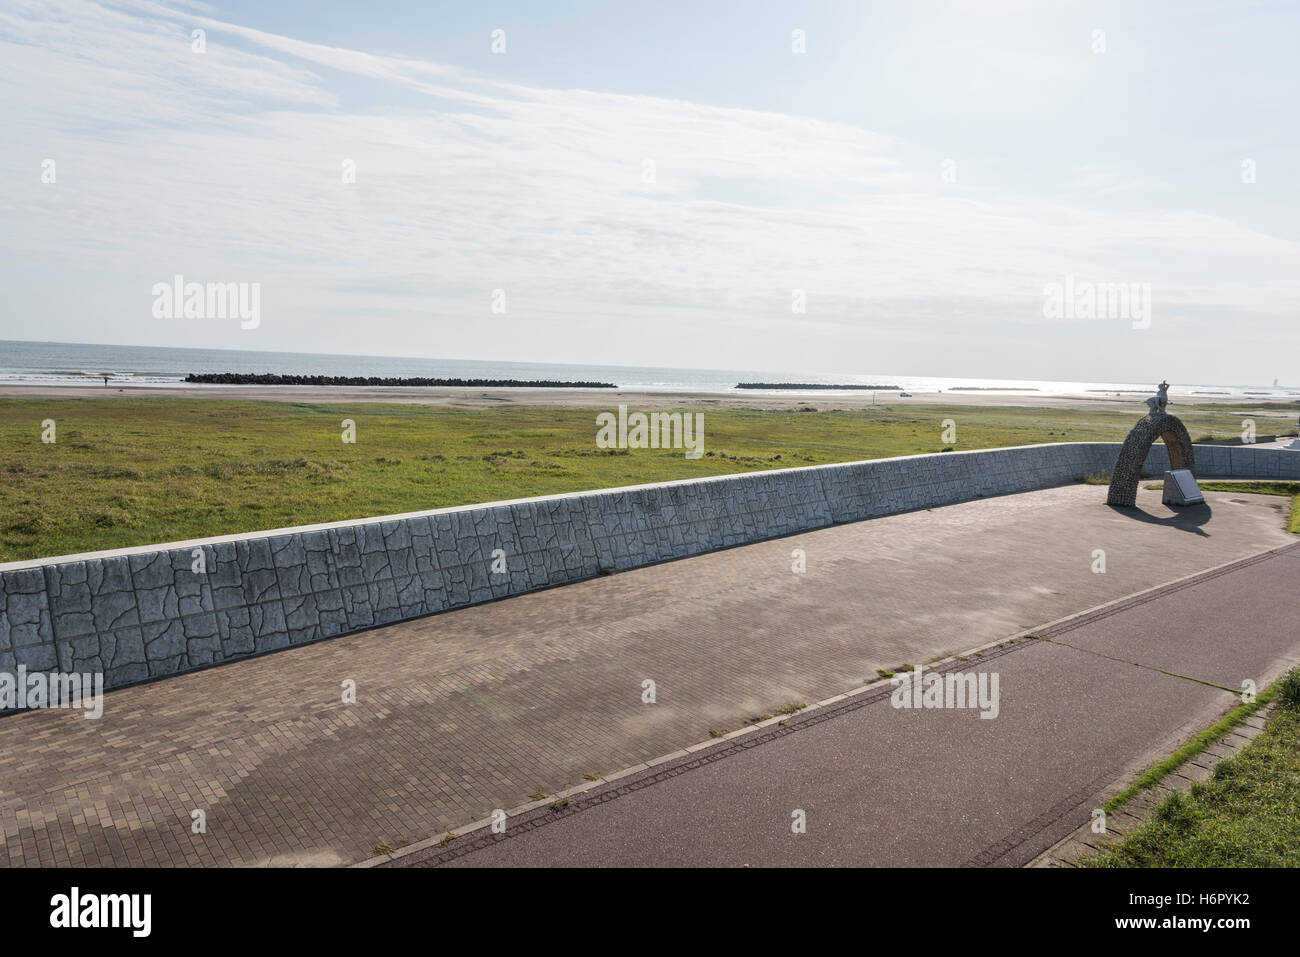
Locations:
(142, 613)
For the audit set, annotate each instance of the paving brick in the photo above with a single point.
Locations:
(472, 710)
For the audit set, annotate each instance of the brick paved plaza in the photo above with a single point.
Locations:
(477, 709)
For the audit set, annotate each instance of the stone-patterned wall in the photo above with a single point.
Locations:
(143, 613)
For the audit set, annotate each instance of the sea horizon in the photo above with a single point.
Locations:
(35, 363)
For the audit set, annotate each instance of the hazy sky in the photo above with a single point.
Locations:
(920, 173)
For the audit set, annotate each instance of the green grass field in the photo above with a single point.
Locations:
(128, 471)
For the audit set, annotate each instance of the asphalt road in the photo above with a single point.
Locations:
(1097, 699)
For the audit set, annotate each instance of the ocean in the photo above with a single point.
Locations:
(64, 363)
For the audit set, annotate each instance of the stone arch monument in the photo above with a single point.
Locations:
(1156, 424)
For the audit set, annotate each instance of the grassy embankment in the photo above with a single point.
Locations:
(127, 471)
(1243, 816)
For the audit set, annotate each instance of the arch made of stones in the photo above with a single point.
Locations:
(1133, 454)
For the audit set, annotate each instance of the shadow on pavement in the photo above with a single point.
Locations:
(1188, 518)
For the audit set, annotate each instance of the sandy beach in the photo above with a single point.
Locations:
(473, 398)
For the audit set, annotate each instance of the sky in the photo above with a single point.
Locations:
(819, 187)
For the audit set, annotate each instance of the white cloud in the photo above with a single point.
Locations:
(226, 166)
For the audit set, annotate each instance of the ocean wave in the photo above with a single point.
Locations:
(88, 379)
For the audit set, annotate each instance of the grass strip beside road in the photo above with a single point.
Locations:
(1243, 816)
(1156, 773)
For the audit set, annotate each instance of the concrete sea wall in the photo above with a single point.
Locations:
(141, 613)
